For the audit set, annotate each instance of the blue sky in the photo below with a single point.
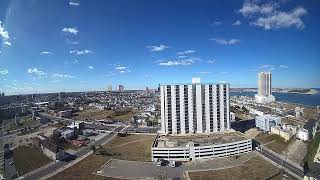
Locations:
(52, 46)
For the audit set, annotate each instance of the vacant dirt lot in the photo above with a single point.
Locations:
(131, 147)
(255, 168)
(83, 169)
(252, 133)
(27, 159)
(274, 142)
(297, 150)
(123, 114)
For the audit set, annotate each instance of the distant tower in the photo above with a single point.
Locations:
(109, 88)
(264, 88)
(121, 88)
(147, 88)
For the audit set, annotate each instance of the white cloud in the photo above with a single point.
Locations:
(86, 51)
(3, 33)
(73, 3)
(159, 48)
(4, 72)
(186, 52)
(90, 67)
(283, 67)
(70, 30)
(66, 76)
(237, 23)
(270, 67)
(37, 72)
(211, 61)
(269, 16)
(184, 62)
(46, 52)
(225, 41)
(266, 66)
(7, 43)
(282, 20)
(120, 68)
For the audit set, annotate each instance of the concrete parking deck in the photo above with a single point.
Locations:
(133, 170)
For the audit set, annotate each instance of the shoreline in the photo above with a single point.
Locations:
(310, 92)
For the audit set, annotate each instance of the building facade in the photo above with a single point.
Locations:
(265, 122)
(194, 108)
(264, 88)
(194, 151)
(121, 88)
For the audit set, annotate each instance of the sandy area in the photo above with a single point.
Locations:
(296, 151)
(252, 133)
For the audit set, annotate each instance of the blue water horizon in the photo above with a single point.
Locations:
(303, 99)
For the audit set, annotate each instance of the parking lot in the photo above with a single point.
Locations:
(124, 169)
(152, 130)
(132, 170)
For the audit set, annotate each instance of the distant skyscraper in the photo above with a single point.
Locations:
(121, 88)
(264, 88)
(110, 88)
(147, 88)
(194, 108)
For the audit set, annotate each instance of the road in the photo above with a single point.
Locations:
(296, 169)
(9, 169)
(60, 164)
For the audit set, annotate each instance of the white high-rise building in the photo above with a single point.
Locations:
(264, 88)
(194, 108)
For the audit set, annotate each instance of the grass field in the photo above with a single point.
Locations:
(275, 142)
(312, 149)
(123, 114)
(83, 169)
(255, 168)
(131, 147)
(27, 159)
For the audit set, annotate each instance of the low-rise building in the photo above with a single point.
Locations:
(303, 134)
(87, 132)
(188, 148)
(265, 122)
(284, 133)
(67, 134)
(232, 116)
(52, 151)
(65, 114)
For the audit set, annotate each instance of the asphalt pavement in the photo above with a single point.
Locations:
(9, 168)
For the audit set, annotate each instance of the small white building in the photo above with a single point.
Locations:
(232, 116)
(52, 151)
(265, 122)
(67, 134)
(303, 134)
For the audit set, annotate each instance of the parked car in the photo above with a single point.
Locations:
(159, 162)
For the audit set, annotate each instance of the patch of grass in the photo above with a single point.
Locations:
(276, 143)
(131, 147)
(255, 168)
(124, 114)
(312, 149)
(27, 159)
(83, 169)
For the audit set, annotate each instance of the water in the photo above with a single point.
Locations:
(304, 99)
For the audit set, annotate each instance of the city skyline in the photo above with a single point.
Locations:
(82, 46)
